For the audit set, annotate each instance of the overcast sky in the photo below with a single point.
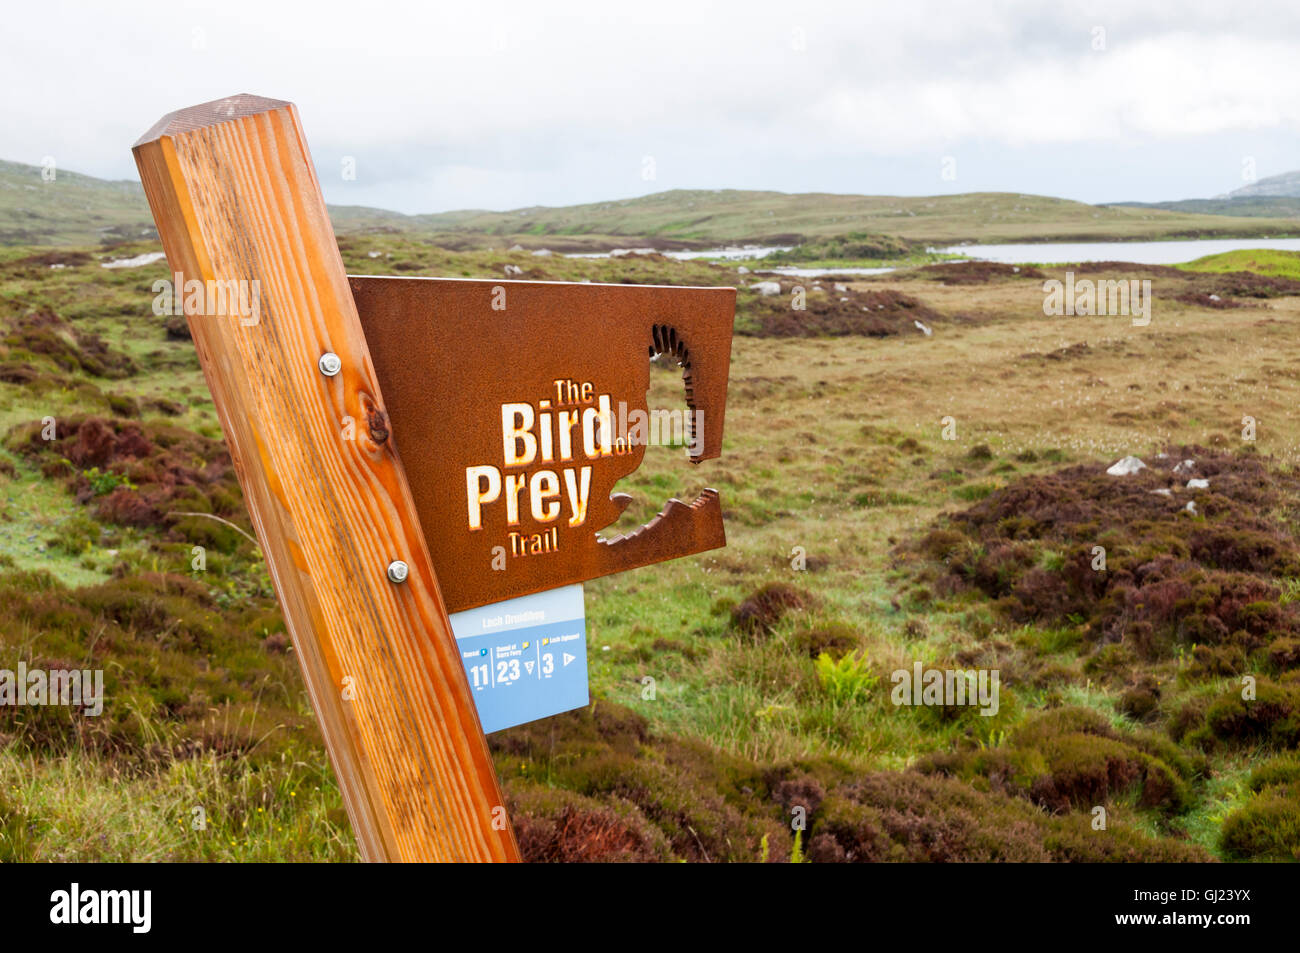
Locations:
(499, 105)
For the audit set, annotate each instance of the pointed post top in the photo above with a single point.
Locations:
(210, 114)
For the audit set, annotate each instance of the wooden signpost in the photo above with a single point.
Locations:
(343, 520)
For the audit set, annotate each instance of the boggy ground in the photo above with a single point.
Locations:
(892, 497)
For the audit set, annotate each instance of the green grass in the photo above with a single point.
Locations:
(833, 445)
(1261, 261)
(77, 807)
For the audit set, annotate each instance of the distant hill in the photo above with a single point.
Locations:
(1286, 185)
(76, 209)
(1277, 196)
(73, 209)
(1281, 207)
(728, 215)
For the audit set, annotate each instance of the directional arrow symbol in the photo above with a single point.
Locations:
(568, 658)
(529, 666)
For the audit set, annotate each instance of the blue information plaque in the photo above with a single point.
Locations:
(526, 658)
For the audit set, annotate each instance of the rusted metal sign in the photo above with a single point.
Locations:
(518, 405)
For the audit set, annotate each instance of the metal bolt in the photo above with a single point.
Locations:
(397, 571)
(329, 364)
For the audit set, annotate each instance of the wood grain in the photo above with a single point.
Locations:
(235, 196)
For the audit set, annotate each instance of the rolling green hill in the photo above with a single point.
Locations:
(83, 210)
(73, 209)
(76, 209)
(728, 215)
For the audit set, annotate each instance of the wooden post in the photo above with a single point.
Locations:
(236, 198)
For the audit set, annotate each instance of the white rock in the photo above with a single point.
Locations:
(57, 266)
(1198, 484)
(742, 270)
(148, 258)
(1187, 466)
(373, 254)
(516, 247)
(513, 270)
(1190, 507)
(1126, 466)
(542, 253)
(767, 288)
(1164, 491)
(922, 328)
(1215, 298)
(840, 287)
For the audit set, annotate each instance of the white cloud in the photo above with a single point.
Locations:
(482, 104)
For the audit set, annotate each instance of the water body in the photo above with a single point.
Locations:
(740, 253)
(730, 253)
(1047, 253)
(1143, 253)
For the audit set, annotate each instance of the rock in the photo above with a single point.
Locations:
(516, 247)
(513, 270)
(1198, 484)
(1163, 491)
(1215, 298)
(742, 270)
(922, 328)
(1187, 466)
(1190, 507)
(542, 253)
(840, 287)
(767, 288)
(1126, 466)
(373, 254)
(148, 258)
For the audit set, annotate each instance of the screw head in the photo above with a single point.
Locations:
(329, 364)
(398, 571)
